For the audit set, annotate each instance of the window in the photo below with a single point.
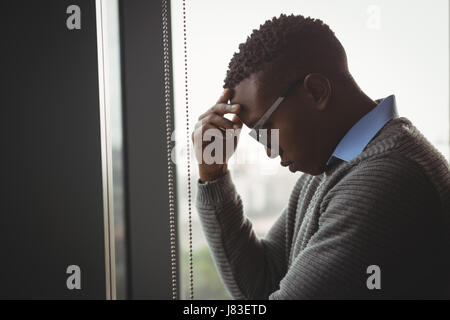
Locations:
(393, 47)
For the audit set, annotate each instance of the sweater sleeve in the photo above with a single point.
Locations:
(382, 213)
(250, 267)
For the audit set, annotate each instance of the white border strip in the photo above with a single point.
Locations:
(106, 154)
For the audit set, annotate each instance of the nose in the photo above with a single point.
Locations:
(270, 154)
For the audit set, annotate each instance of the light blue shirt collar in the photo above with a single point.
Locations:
(357, 138)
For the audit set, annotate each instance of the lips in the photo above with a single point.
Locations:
(292, 167)
(285, 163)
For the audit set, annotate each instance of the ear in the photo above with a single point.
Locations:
(319, 88)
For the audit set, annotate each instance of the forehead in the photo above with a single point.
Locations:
(246, 93)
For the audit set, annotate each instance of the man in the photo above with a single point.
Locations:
(367, 219)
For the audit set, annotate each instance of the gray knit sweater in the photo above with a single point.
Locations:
(387, 207)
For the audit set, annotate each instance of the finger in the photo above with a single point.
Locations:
(219, 121)
(237, 121)
(204, 134)
(199, 123)
(221, 109)
(225, 96)
(208, 112)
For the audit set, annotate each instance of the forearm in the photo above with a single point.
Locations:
(246, 263)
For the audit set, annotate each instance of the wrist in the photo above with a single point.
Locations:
(208, 174)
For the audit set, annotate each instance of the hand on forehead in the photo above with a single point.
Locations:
(245, 94)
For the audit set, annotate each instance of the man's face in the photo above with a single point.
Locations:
(295, 118)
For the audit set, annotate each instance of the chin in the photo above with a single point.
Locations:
(317, 171)
(313, 170)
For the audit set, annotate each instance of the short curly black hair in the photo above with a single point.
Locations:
(296, 41)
